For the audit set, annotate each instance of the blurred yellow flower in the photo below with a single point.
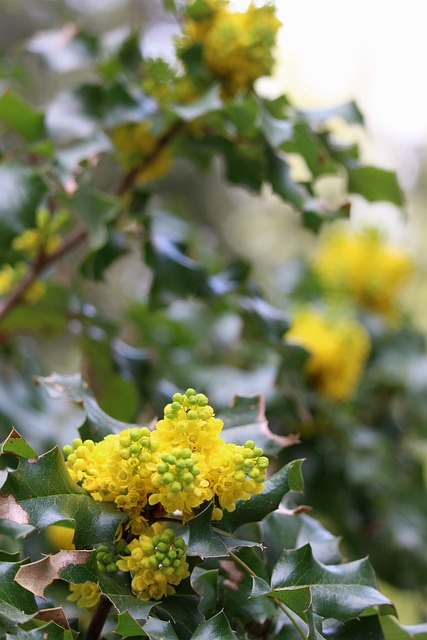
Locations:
(85, 595)
(363, 266)
(338, 350)
(7, 278)
(237, 47)
(60, 536)
(137, 147)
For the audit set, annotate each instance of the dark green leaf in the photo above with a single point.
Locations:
(336, 591)
(393, 630)
(375, 184)
(183, 611)
(289, 478)
(16, 603)
(246, 420)
(310, 146)
(363, 628)
(96, 209)
(49, 631)
(203, 541)
(17, 113)
(205, 584)
(159, 630)
(127, 627)
(72, 387)
(217, 628)
(279, 175)
(199, 10)
(44, 490)
(21, 189)
(16, 444)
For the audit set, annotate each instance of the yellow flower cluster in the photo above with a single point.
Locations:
(138, 148)
(178, 466)
(44, 238)
(364, 267)
(10, 276)
(237, 47)
(182, 463)
(85, 595)
(338, 351)
(156, 561)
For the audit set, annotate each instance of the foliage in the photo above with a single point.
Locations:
(115, 260)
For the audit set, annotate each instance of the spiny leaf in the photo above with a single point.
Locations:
(375, 184)
(16, 603)
(217, 628)
(159, 630)
(289, 478)
(44, 490)
(15, 112)
(202, 540)
(16, 444)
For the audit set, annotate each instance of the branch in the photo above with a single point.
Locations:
(98, 619)
(39, 265)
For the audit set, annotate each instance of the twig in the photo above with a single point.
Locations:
(281, 605)
(78, 236)
(38, 266)
(98, 619)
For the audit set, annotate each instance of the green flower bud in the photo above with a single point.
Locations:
(67, 449)
(125, 454)
(125, 441)
(176, 487)
(190, 392)
(178, 397)
(77, 442)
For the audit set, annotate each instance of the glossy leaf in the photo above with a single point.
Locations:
(128, 627)
(16, 444)
(375, 184)
(44, 490)
(16, 603)
(393, 630)
(159, 630)
(36, 576)
(246, 420)
(334, 591)
(217, 628)
(203, 541)
(21, 189)
(288, 478)
(50, 630)
(72, 387)
(15, 112)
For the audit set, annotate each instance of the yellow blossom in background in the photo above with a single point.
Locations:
(237, 47)
(44, 238)
(60, 536)
(363, 266)
(137, 147)
(157, 562)
(7, 278)
(338, 350)
(85, 595)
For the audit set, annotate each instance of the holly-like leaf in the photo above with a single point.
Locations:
(363, 628)
(51, 630)
(288, 478)
(21, 189)
(36, 576)
(96, 209)
(203, 540)
(279, 175)
(97, 424)
(375, 184)
(16, 603)
(128, 627)
(43, 489)
(205, 584)
(246, 420)
(393, 630)
(15, 112)
(217, 628)
(333, 591)
(159, 630)
(16, 444)
(114, 585)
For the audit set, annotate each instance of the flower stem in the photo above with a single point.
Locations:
(99, 617)
(281, 605)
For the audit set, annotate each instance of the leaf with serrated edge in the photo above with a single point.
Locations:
(159, 630)
(54, 614)
(289, 478)
(38, 575)
(337, 591)
(45, 491)
(217, 628)
(16, 603)
(16, 444)
(202, 540)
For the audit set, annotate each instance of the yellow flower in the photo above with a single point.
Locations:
(236, 46)
(364, 267)
(60, 536)
(85, 595)
(338, 351)
(117, 469)
(138, 147)
(157, 562)
(7, 278)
